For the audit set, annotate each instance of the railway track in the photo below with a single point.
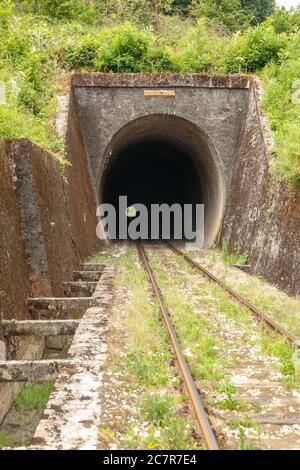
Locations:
(198, 407)
(200, 413)
(242, 301)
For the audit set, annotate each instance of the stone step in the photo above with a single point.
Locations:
(92, 276)
(92, 267)
(76, 289)
(39, 327)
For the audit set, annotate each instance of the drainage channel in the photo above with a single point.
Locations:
(70, 419)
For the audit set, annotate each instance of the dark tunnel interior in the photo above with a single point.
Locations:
(153, 172)
(159, 159)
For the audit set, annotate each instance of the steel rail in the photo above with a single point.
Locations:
(258, 313)
(197, 403)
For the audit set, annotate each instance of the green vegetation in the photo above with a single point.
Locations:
(257, 291)
(233, 257)
(24, 415)
(33, 396)
(42, 41)
(6, 440)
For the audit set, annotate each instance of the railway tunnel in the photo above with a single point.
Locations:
(161, 159)
(160, 138)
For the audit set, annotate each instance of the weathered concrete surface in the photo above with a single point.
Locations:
(51, 255)
(61, 303)
(81, 199)
(14, 286)
(216, 105)
(89, 276)
(92, 267)
(28, 348)
(2, 351)
(263, 216)
(37, 371)
(84, 289)
(39, 327)
(136, 80)
(14, 282)
(61, 122)
(71, 419)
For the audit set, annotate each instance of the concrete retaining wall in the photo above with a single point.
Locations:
(14, 285)
(81, 199)
(46, 227)
(263, 216)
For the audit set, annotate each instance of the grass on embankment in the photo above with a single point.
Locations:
(201, 337)
(276, 304)
(272, 343)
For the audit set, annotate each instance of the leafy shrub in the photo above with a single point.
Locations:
(251, 51)
(123, 50)
(197, 52)
(82, 54)
(159, 60)
(31, 99)
(285, 21)
(157, 409)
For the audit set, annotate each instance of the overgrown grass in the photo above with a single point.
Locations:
(25, 414)
(233, 256)
(199, 335)
(33, 397)
(282, 104)
(279, 306)
(6, 440)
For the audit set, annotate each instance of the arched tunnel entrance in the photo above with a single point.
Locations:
(164, 160)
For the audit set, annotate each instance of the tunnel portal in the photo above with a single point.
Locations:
(164, 160)
(161, 137)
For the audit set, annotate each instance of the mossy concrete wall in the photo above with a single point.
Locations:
(47, 225)
(262, 216)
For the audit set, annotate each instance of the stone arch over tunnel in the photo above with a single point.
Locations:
(164, 159)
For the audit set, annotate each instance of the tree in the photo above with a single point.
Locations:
(228, 13)
(260, 9)
(146, 11)
(181, 7)
(63, 10)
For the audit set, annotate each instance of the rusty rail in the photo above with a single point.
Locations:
(258, 313)
(198, 406)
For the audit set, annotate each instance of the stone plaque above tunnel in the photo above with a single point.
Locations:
(171, 135)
